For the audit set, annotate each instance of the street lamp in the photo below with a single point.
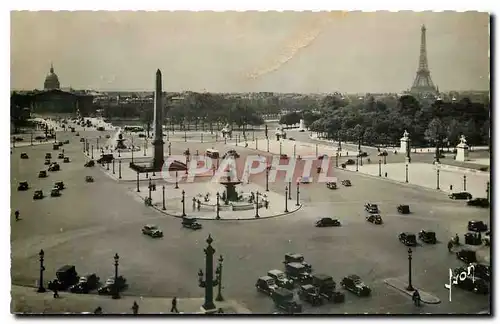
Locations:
(217, 207)
(97, 143)
(183, 203)
(119, 169)
(337, 159)
(357, 163)
(465, 182)
(138, 190)
(488, 191)
(257, 205)
(267, 145)
(406, 172)
(289, 190)
(116, 290)
(145, 146)
(298, 192)
(169, 149)
(437, 177)
(92, 151)
(379, 168)
(218, 272)
(286, 199)
(267, 177)
(201, 135)
(280, 147)
(163, 196)
(176, 180)
(150, 187)
(41, 289)
(410, 287)
(209, 281)
(294, 149)
(185, 136)
(113, 166)
(316, 150)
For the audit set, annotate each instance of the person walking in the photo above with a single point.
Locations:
(16, 213)
(135, 308)
(98, 311)
(416, 298)
(54, 289)
(450, 245)
(174, 306)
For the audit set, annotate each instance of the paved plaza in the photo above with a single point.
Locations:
(91, 222)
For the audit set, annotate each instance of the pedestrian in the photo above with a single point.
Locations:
(386, 174)
(451, 187)
(56, 293)
(199, 204)
(174, 306)
(135, 308)
(194, 203)
(450, 245)
(16, 213)
(416, 298)
(98, 311)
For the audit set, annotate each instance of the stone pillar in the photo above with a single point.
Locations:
(462, 150)
(158, 121)
(405, 145)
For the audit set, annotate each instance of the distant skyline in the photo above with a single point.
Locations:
(352, 52)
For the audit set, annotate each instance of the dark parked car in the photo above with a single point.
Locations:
(298, 258)
(472, 239)
(66, 276)
(427, 237)
(190, 223)
(467, 256)
(89, 164)
(354, 284)
(477, 226)
(89, 179)
(350, 162)
(476, 285)
(297, 272)
(331, 185)
(310, 294)
(48, 155)
(322, 156)
(47, 162)
(24, 156)
(460, 195)
(55, 147)
(60, 156)
(42, 174)
(105, 158)
(82, 140)
(152, 230)
(59, 185)
(327, 222)
(375, 219)
(55, 192)
(362, 154)
(408, 239)
(266, 285)
(54, 167)
(39, 138)
(66, 160)
(482, 271)
(23, 186)
(107, 288)
(281, 279)
(346, 183)
(383, 153)
(38, 195)
(403, 209)
(326, 286)
(371, 208)
(479, 202)
(85, 284)
(100, 129)
(283, 299)
(66, 142)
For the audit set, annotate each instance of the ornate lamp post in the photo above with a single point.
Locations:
(116, 291)
(169, 149)
(267, 177)
(465, 182)
(267, 145)
(289, 190)
(217, 207)
(410, 287)
(119, 169)
(294, 149)
(97, 143)
(286, 199)
(406, 172)
(437, 177)
(280, 147)
(488, 191)
(92, 151)
(113, 166)
(183, 203)
(163, 196)
(145, 146)
(176, 180)
(41, 289)
(357, 163)
(257, 205)
(138, 190)
(298, 192)
(209, 281)
(218, 272)
(379, 168)
(150, 187)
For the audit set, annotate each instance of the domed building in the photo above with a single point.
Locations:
(51, 81)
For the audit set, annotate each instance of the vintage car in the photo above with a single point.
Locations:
(350, 162)
(142, 135)
(326, 286)
(482, 271)
(24, 155)
(291, 139)
(60, 156)
(42, 174)
(59, 185)
(408, 239)
(310, 294)
(60, 143)
(298, 272)
(39, 138)
(230, 153)
(375, 219)
(47, 162)
(66, 142)
(82, 140)
(190, 223)
(108, 136)
(474, 284)
(304, 179)
(383, 153)
(403, 209)
(54, 167)
(427, 237)
(100, 129)
(152, 230)
(327, 222)
(467, 256)
(281, 279)
(283, 300)
(354, 284)
(109, 285)
(477, 226)
(23, 186)
(66, 160)
(346, 183)
(18, 139)
(362, 154)
(66, 277)
(460, 195)
(55, 147)
(38, 194)
(89, 164)
(331, 185)
(472, 239)
(55, 192)
(105, 158)
(89, 179)
(283, 157)
(371, 208)
(48, 156)
(296, 257)
(479, 202)
(85, 284)
(322, 157)
(266, 285)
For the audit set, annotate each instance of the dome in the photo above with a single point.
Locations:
(51, 81)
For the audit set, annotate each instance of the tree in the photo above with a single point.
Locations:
(435, 131)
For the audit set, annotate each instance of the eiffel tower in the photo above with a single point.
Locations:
(423, 83)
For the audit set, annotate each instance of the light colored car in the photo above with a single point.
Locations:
(152, 230)
(304, 180)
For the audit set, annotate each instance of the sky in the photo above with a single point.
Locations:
(304, 52)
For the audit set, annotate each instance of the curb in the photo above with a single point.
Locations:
(434, 301)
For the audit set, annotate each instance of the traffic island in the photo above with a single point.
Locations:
(400, 285)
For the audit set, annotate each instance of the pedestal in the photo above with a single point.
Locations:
(462, 152)
(208, 311)
(405, 141)
(302, 125)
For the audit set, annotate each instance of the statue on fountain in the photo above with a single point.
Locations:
(227, 131)
(119, 143)
(280, 133)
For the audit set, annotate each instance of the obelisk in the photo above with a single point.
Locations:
(158, 124)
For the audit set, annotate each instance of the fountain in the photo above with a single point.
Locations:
(119, 143)
(227, 132)
(230, 193)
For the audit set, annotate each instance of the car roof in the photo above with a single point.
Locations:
(266, 278)
(294, 255)
(353, 277)
(306, 287)
(295, 265)
(322, 276)
(150, 225)
(275, 271)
